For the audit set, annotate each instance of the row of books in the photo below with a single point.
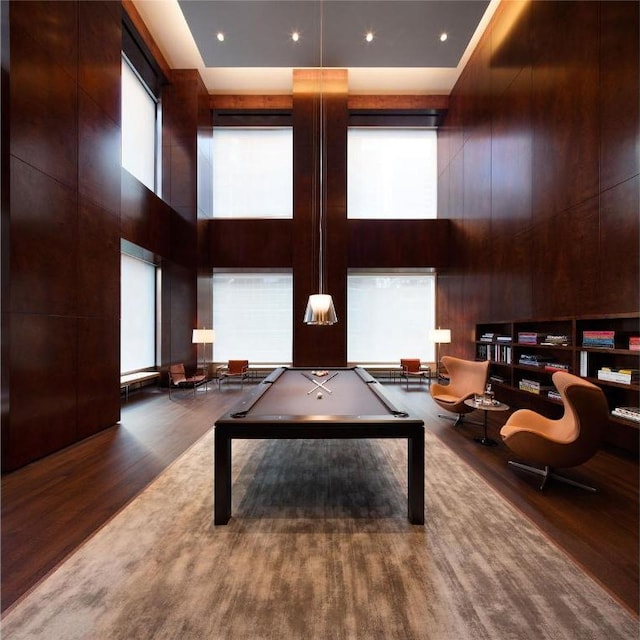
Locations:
(533, 386)
(534, 360)
(546, 339)
(622, 376)
(599, 339)
(495, 337)
(628, 413)
(495, 353)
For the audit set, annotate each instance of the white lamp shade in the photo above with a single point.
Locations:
(441, 336)
(320, 310)
(203, 336)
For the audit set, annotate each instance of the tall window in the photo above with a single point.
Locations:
(137, 314)
(391, 173)
(389, 316)
(253, 172)
(139, 127)
(252, 316)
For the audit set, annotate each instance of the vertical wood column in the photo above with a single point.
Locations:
(319, 345)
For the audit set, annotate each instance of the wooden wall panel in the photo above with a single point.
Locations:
(63, 219)
(145, 218)
(42, 358)
(398, 243)
(43, 102)
(564, 105)
(565, 265)
(98, 366)
(44, 240)
(98, 265)
(619, 251)
(562, 174)
(249, 243)
(99, 159)
(99, 55)
(619, 91)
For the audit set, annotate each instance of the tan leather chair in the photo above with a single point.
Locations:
(236, 369)
(178, 378)
(466, 378)
(411, 368)
(566, 442)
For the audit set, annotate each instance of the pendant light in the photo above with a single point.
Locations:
(320, 309)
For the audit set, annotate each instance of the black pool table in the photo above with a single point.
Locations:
(301, 403)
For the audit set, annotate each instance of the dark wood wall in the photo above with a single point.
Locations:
(61, 300)
(538, 168)
(66, 204)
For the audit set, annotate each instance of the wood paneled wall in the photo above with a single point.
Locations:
(61, 300)
(66, 203)
(538, 168)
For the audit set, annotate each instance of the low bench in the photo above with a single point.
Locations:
(138, 377)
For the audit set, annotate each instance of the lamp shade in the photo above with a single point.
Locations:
(441, 336)
(320, 310)
(203, 336)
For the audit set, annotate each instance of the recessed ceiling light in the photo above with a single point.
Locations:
(220, 36)
(443, 36)
(369, 36)
(295, 36)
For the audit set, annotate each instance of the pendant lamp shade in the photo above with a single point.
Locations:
(320, 310)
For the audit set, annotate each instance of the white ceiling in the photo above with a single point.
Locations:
(257, 56)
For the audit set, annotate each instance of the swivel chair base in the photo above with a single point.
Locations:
(547, 473)
(459, 419)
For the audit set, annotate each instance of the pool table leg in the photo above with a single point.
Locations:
(221, 478)
(415, 480)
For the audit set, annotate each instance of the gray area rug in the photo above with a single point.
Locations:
(318, 547)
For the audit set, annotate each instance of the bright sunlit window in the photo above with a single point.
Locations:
(253, 172)
(391, 173)
(137, 314)
(252, 316)
(138, 127)
(390, 316)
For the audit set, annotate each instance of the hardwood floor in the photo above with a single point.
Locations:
(51, 506)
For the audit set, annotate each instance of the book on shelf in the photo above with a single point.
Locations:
(533, 360)
(628, 413)
(556, 366)
(487, 337)
(508, 339)
(634, 343)
(584, 363)
(556, 341)
(496, 378)
(622, 376)
(598, 339)
(554, 395)
(529, 337)
(533, 386)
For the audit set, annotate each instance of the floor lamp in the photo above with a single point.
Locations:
(204, 337)
(440, 336)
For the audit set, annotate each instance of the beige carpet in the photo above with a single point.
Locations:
(318, 548)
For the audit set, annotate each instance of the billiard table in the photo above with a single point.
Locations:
(306, 403)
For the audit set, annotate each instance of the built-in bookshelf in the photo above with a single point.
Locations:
(605, 350)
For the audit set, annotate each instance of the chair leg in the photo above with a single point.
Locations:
(547, 473)
(459, 419)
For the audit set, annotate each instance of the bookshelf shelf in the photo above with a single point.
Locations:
(511, 345)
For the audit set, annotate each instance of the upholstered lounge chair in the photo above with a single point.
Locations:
(411, 368)
(178, 379)
(567, 442)
(466, 378)
(236, 369)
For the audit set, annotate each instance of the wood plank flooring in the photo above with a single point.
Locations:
(51, 506)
